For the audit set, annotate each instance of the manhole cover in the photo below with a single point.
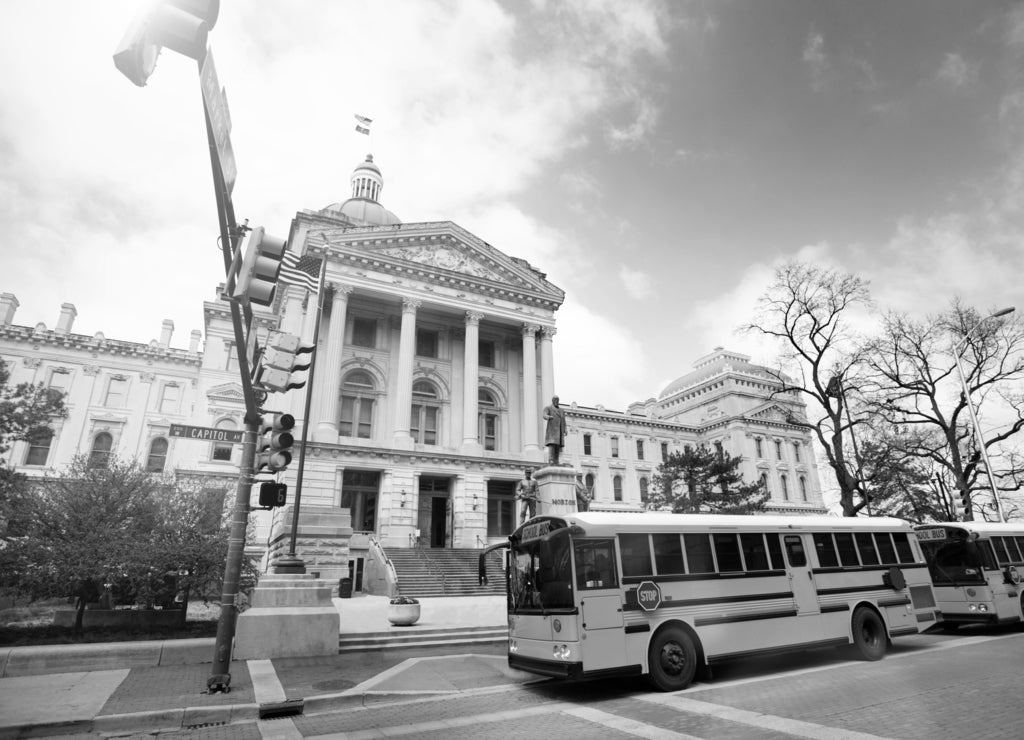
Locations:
(334, 684)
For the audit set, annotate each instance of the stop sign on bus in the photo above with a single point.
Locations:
(648, 595)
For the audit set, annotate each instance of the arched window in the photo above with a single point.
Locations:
(39, 447)
(588, 479)
(487, 426)
(425, 410)
(643, 490)
(785, 487)
(157, 455)
(764, 482)
(617, 487)
(803, 488)
(100, 454)
(357, 399)
(222, 450)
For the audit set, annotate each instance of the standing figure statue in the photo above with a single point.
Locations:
(554, 430)
(582, 494)
(528, 493)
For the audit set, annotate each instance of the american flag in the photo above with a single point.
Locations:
(363, 124)
(301, 271)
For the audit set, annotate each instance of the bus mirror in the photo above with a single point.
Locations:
(1012, 575)
(894, 579)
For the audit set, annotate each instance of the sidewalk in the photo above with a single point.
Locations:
(131, 687)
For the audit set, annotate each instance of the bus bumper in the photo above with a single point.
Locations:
(543, 667)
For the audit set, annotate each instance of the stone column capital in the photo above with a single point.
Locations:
(340, 290)
(474, 317)
(530, 330)
(548, 332)
(409, 305)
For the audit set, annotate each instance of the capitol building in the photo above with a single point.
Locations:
(435, 357)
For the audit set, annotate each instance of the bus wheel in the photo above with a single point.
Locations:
(672, 659)
(869, 638)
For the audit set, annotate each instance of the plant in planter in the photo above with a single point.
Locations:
(403, 611)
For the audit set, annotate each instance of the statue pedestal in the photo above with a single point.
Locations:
(556, 489)
(291, 616)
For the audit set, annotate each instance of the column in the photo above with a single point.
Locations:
(470, 384)
(324, 408)
(403, 391)
(530, 409)
(547, 365)
(291, 323)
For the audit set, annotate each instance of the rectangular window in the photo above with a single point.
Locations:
(489, 431)
(664, 451)
(1020, 544)
(615, 446)
(356, 417)
(795, 550)
(39, 448)
(826, 550)
(1013, 550)
(426, 343)
(668, 554)
(636, 554)
(796, 451)
(754, 553)
(423, 424)
(586, 444)
(60, 380)
(170, 398)
(847, 552)
(486, 357)
(778, 449)
(500, 512)
(364, 332)
(1001, 555)
(117, 390)
(886, 551)
(903, 549)
(727, 550)
(698, 553)
(759, 448)
(639, 449)
(866, 548)
(775, 550)
(595, 564)
(231, 363)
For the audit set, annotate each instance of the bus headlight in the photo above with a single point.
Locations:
(513, 646)
(560, 652)
(982, 607)
(972, 607)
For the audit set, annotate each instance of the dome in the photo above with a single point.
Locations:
(709, 366)
(363, 208)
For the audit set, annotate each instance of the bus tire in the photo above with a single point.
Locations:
(869, 637)
(671, 659)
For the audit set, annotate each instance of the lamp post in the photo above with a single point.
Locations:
(958, 348)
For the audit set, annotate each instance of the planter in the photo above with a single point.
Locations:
(403, 615)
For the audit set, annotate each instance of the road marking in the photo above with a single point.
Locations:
(266, 687)
(796, 727)
(624, 724)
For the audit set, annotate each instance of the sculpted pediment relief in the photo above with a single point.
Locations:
(226, 392)
(445, 257)
(772, 412)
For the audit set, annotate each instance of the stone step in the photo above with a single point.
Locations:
(423, 637)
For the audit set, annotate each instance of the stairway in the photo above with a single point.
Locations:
(445, 572)
(421, 638)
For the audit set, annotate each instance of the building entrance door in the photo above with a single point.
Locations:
(435, 512)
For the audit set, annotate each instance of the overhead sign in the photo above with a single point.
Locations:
(220, 119)
(207, 434)
(648, 596)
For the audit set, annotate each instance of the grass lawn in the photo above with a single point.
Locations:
(33, 625)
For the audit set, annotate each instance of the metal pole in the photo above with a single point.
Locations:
(980, 438)
(292, 563)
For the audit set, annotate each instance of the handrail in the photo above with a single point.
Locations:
(482, 568)
(378, 551)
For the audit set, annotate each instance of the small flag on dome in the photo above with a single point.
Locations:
(363, 124)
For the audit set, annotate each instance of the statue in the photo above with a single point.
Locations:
(527, 492)
(554, 430)
(582, 494)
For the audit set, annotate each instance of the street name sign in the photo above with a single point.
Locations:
(220, 119)
(207, 434)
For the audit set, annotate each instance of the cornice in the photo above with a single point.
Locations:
(324, 452)
(98, 345)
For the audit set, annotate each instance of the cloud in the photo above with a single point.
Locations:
(956, 72)
(628, 137)
(637, 283)
(815, 59)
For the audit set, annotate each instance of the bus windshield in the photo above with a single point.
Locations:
(953, 561)
(540, 574)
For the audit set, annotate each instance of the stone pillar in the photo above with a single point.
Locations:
(328, 368)
(68, 312)
(290, 616)
(291, 323)
(547, 363)
(531, 428)
(406, 355)
(166, 332)
(556, 489)
(8, 306)
(470, 385)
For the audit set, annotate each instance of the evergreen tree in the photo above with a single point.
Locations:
(704, 481)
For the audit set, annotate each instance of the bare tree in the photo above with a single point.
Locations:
(912, 384)
(809, 311)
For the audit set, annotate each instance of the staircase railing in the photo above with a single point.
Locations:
(390, 574)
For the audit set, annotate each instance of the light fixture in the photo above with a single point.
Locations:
(402, 504)
(475, 502)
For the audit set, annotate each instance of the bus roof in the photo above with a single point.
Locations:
(988, 528)
(594, 522)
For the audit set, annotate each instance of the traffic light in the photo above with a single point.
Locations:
(967, 513)
(273, 494)
(180, 25)
(257, 277)
(273, 451)
(284, 355)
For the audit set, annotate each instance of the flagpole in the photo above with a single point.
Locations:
(292, 563)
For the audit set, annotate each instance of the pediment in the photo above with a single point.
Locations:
(771, 412)
(441, 249)
(226, 392)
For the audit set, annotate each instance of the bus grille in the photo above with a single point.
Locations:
(922, 597)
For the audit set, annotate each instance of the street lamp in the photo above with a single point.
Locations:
(958, 349)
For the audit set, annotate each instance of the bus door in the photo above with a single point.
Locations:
(1004, 594)
(602, 630)
(801, 579)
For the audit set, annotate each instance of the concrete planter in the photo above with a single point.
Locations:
(403, 615)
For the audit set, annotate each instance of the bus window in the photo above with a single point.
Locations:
(540, 576)
(988, 555)
(595, 564)
(754, 553)
(952, 561)
(636, 555)
(775, 550)
(1016, 556)
(847, 552)
(886, 552)
(903, 549)
(698, 554)
(668, 554)
(866, 548)
(1001, 555)
(795, 550)
(727, 550)
(1020, 545)
(825, 547)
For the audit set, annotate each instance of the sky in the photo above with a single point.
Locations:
(657, 160)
